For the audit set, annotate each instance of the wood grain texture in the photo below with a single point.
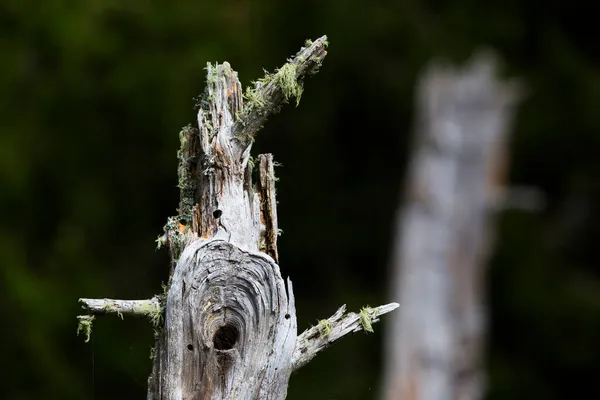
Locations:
(229, 331)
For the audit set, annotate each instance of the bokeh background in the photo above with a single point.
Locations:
(93, 94)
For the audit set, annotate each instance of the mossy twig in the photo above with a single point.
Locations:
(316, 338)
(267, 94)
(151, 308)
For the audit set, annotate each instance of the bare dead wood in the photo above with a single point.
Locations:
(457, 178)
(149, 308)
(229, 327)
(317, 338)
(229, 331)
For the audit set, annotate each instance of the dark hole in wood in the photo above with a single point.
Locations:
(226, 337)
(287, 316)
(217, 213)
(190, 347)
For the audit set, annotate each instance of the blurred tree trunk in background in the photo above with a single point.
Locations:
(456, 175)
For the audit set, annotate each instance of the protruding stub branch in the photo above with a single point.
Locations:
(150, 308)
(315, 339)
(268, 93)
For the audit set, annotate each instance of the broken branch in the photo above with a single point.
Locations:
(316, 338)
(150, 308)
(269, 93)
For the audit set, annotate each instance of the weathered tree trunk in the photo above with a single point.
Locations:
(229, 327)
(456, 177)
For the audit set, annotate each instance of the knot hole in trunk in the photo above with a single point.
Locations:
(226, 337)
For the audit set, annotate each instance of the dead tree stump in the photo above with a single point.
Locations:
(226, 326)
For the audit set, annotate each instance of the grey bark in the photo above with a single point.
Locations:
(229, 331)
(229, 327)
(148, 307)
(456, 179)
(317, 338)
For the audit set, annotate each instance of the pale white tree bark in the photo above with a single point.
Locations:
(150, 307)
(456, 179)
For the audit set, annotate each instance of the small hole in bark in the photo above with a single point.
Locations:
(217, 213)
(287, 316)
(226, 337)
(190, 347)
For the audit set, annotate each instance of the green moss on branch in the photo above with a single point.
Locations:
(85, 326)
(366, 319)
(266, 95)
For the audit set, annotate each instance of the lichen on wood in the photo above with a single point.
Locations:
(312, 341)
(85, 326)
(267, 94)
(150, 308)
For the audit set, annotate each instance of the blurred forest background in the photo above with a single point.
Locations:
(94, 94)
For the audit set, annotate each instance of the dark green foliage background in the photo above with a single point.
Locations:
(93, 96)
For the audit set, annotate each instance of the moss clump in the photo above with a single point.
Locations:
(173, 236)
(154, 314)
(285, 78)
(325, 327)
(85, 326)
(366, 319)
(254, 96)
(251, 163)
(161, 241)
(212, 73)
(113, 308)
